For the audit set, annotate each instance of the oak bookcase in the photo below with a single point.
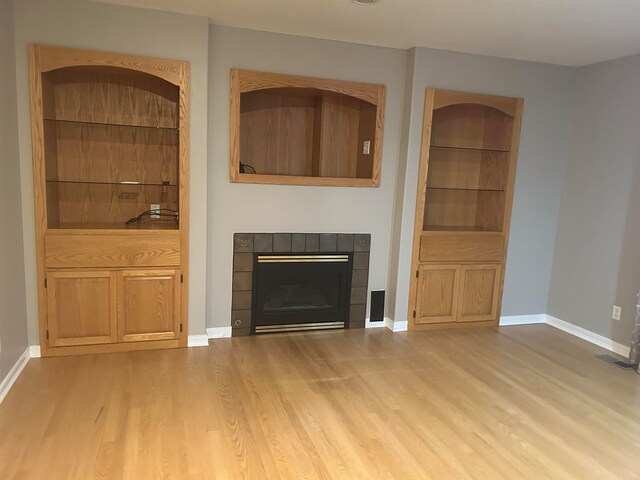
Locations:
(463, 210)
(110, 140)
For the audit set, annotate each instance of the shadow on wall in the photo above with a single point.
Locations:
(628, 281)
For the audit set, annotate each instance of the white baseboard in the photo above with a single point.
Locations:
(589, 336)
(14, 373)
(522, 319)
(198, 341)
(219, 332)
(570, 328)
(34, 351)
(369, 324)
(395, 325)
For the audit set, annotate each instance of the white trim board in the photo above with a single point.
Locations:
(522, 320)
(219, 332)
(570, 328)
(14, 373)
(197, 341)
(589, 336)
(396, 325)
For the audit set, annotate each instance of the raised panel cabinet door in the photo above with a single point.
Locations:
(437, 300)
(480, 292)
(148, 305)
(81, 308)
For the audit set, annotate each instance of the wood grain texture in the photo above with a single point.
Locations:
(148, 305)
(52, 58)
(461, 247)
(420, 203)
(69, 87)
(479, 297)
(81, 307)
(438, 294)
(471, 125)
(465, 192)
(127, 249)
(515, 403)
(446, 98)
(276, 132)
(41, 196)
(184, 174)
(275, 128)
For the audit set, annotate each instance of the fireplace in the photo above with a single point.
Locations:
(299, 281)
(301, 292)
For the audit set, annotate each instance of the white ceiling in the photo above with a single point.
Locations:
(565, 32)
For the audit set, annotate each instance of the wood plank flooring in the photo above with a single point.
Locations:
(521, 402)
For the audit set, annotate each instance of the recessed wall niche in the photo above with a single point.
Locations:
(305, 131)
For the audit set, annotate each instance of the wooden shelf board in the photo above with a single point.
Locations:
(304, 180)
(457, 228)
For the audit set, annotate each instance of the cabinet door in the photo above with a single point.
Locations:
(437, 300)
(148, 305)
(480, 292)
(81, 308)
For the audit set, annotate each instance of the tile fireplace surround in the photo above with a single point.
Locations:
(245, 245)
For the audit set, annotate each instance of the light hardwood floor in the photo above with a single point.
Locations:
(522, 402)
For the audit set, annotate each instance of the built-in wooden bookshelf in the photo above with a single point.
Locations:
(308, 131)
(110, 136)
(463, 210)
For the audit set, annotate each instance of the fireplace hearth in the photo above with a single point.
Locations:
(299, 281)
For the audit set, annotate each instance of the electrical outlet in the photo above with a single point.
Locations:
(155, 206)
(617, 312)
(366, 147)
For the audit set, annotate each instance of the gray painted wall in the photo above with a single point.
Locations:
(13, 314)
(278, 208)
(547, 93)
(91, 25)
(597, 253)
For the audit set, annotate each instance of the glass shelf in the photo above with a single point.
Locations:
(107, 124)
(122, 184)
(157, 225)
(470, 149)
(466, 189)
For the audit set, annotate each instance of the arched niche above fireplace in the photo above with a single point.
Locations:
(296, 130)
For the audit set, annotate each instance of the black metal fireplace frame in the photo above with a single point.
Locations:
(298, 320)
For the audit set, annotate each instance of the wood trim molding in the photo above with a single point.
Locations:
(52, 58)
(508, 105)
(251, 80)
(420, 199)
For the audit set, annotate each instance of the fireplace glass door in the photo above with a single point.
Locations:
(301, 292)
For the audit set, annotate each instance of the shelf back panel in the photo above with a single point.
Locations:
(471, 126)
(109, 125)
(306, 132)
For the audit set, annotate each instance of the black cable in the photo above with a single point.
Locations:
(245, 166)
(149, 214)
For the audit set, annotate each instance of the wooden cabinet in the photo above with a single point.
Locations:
(105, 307)
(148, 305)
(81, 307)
(438, 287)
(463, 210)
(448, 293)
(110, 137)
(479, 292)
(305, 131)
